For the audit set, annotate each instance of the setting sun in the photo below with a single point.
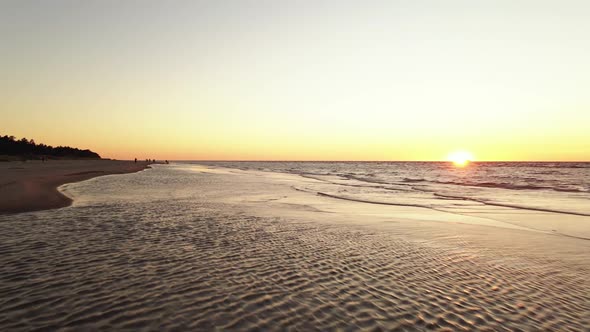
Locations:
(460, 158)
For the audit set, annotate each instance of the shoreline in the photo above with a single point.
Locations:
(33, 186)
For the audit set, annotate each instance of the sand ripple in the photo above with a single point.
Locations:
(199, 268)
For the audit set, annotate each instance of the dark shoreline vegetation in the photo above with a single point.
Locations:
(25, 149)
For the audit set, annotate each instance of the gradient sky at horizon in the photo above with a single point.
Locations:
(299, 80)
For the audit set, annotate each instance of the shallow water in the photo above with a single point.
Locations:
(562, 187)
(493, 189)
(183, 247)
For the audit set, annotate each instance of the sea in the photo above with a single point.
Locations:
(556, 187)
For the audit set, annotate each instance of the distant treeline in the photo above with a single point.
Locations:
(28, 149)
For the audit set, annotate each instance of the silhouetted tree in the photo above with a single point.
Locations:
(10, 146)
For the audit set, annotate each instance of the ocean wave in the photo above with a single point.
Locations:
(445, 197)
(564, 177)
(358, 178)
(488, 184)
(500, 185)
(535, 164)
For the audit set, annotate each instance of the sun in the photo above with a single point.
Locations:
(460, 158)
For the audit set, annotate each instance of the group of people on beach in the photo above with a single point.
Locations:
(151, 161)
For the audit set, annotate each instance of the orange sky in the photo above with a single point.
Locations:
(274, 80)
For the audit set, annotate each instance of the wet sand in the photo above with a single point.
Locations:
(32, 186)
(176, 249)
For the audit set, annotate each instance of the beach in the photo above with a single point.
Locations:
(324, 166)
(196, 247)
(32, 185)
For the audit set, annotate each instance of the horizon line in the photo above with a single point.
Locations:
(381, 161)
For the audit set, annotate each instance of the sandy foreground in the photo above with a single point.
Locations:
(32, 186)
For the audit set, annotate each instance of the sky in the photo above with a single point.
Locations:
(299, 80)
